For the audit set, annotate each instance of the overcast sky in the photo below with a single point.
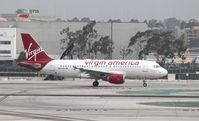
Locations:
(108, 9)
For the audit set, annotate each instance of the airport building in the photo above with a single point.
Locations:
(192, 33)
(7, 43)
(48, 34)
(192, 40)
(46, 30)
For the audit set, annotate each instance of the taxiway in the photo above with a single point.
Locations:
(76, 100)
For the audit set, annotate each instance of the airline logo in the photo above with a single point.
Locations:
(32, 53)
(111, 62)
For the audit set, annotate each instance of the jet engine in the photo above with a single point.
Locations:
(116, 78)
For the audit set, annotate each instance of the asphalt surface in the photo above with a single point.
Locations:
(76, 100)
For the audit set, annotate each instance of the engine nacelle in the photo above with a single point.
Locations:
(116, 78)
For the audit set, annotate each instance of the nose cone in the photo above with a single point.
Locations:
(164, 72)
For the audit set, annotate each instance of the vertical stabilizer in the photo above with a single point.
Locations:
(33, 51)
(36, 58)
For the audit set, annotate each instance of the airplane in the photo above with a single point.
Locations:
(112, 71)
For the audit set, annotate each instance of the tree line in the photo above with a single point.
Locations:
(86, 43)
(162, 43)
(166, 23)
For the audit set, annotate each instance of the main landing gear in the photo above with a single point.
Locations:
(95, 83)
(144, 83)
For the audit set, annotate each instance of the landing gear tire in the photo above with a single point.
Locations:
(144, 83)
(95, 84)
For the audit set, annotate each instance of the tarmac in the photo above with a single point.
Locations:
(32, 99)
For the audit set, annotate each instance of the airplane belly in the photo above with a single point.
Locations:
(69, 73)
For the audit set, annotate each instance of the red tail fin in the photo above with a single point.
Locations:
(36, 58)
(33, 51)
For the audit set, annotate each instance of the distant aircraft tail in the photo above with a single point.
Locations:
(36, 58)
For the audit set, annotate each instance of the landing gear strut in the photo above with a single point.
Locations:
(144, 83)
(95, 83)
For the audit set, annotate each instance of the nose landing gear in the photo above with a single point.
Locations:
(144, 83)
(95, 83)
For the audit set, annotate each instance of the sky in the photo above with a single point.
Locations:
(103, 10)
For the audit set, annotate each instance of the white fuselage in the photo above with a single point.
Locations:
(132, 69)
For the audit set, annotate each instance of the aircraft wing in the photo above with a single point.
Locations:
(98, 74)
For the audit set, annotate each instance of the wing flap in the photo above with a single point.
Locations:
(98, 73)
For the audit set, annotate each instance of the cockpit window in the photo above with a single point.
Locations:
(156, 66)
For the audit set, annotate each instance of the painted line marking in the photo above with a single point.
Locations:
(3, 98)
